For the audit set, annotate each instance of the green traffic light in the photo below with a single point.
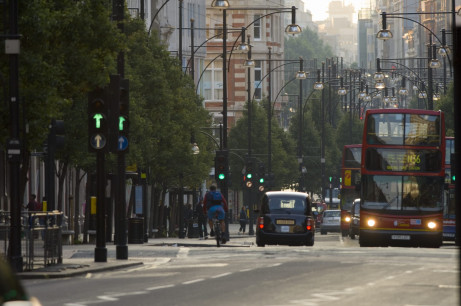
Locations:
(98, 118)
(249, 175)
(121, 120)
(221, 176)
(453, 178)
(261, 180)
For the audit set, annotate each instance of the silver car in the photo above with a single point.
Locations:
(331, 221)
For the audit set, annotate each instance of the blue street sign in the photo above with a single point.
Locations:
(98, 141)
(122, 143)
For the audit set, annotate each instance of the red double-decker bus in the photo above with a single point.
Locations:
(402, 178)
(350, 179)
(449, 216)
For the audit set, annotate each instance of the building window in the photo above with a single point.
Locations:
(257, 27)
(212, 81)
(257, 82)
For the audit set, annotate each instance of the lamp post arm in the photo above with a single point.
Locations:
(267, 74)
(201, 74)
(211, 136)
(203, 43)
(251, 23)
(429, 30)
(307, 99)
(281, 89)
(397, 63)
(155, 16)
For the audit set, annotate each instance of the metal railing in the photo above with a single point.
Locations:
(41, 243)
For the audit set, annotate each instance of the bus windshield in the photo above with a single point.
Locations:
(347, 198)
(403, 129)
(402, 193)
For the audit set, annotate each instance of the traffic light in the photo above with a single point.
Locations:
(250, 174)
(124, 118)
(113, 99)
(97, 120)
(261, 177)
(270, 180)
(221, 166)
(453, 169)
(56, 138)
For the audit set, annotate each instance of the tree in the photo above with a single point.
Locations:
(283, 157)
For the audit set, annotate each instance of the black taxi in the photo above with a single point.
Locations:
(285, 217)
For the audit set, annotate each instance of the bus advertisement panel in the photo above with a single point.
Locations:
(402, 178)
(350, 179)
(449, 204)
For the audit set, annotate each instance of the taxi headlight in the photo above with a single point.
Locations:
(371, 222)
(431, 225)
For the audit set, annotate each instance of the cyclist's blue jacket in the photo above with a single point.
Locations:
(214, 198)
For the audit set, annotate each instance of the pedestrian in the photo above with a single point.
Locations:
(31, 207)
(243, 220)
(188, 220)
(202, 220)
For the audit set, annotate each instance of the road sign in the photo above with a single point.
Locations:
(122, 143)
(98, 141)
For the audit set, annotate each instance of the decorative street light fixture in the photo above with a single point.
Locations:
(319, 84)
(342, 91)
(384, 33)
(293, 28)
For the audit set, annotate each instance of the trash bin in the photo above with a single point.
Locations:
(192, 231)
(135, 230)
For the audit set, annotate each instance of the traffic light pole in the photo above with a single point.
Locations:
(100, 252)
(14, 147)
(120, 204)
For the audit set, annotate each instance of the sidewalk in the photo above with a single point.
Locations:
(78, 259)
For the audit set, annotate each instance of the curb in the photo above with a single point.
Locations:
(75, 270)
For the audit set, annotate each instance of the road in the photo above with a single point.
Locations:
(336, 271)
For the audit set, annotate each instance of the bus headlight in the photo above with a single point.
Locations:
(347, 219)
(431, 225)
(371, 222)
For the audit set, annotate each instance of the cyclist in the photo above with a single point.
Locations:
(216, 203)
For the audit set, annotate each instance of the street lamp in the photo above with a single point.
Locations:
(384, 33)
(224, 5)
(220, 4)
(403, 88)
(242, 47)
(318, 84)
(293, 28)
(342, 90)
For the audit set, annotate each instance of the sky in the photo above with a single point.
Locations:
(319, 8)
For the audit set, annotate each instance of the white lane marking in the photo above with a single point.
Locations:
(221, 275)
(246, 270)
(107, 298)
(193, 281)
(449, 286)
(160, 287)
(183, 252)
(209, 265)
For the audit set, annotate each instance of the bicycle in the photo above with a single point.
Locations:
(217, 229)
